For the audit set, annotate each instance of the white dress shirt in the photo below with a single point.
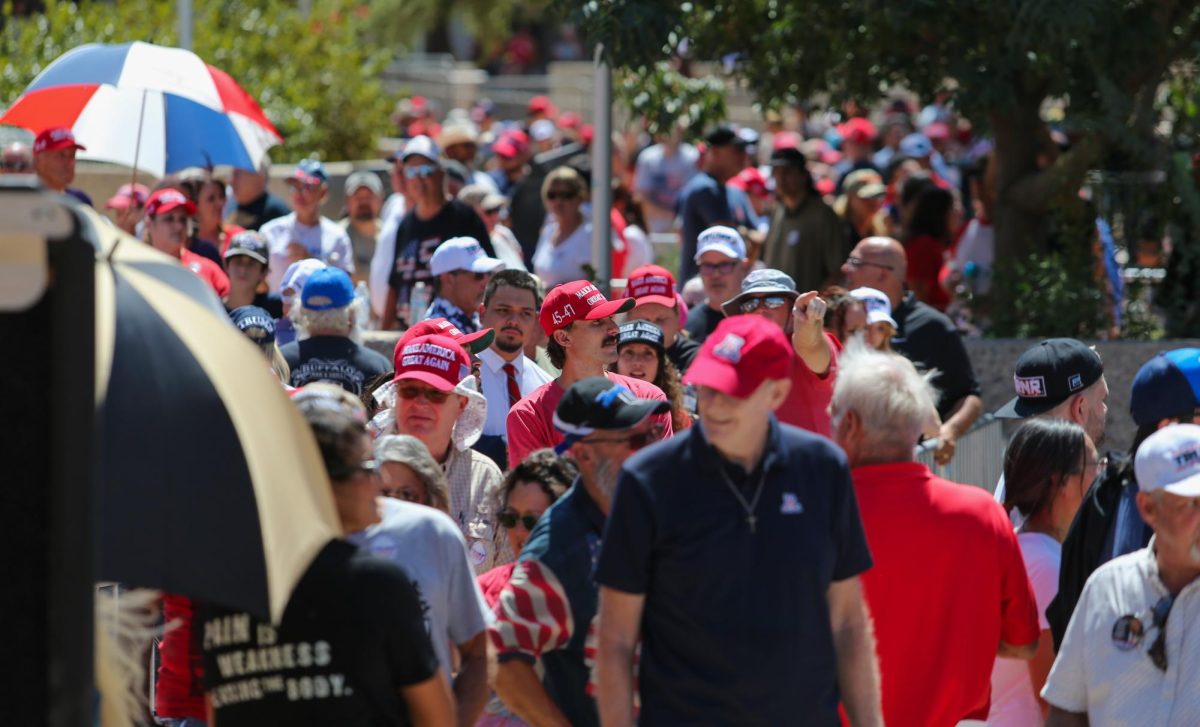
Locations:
(495, 387)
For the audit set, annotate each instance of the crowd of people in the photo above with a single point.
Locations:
(645, 508)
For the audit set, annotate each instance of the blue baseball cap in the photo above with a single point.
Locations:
(326, 289)
(309, 171)
(1166, 386)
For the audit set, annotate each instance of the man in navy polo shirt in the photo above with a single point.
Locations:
(733, 552)
(546, 611)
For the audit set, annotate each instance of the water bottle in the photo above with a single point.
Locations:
(418, 301)
(364, 295)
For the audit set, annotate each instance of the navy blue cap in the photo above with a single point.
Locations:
(247, 317)
(1166, 386)
(640, 331)
(310, 171)
(326, 289)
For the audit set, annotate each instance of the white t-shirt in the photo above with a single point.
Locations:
(1123, 687)
(563, 263)
(385, 252)
(431, 550)
(327, 241)
(1013, 701)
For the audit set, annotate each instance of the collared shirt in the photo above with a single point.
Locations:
(547, 611)
(1123, 687)
(929, 339)
(494, 383)
(442, 308)
(715, 592)
(474, 487)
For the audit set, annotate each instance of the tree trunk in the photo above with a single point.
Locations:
(1019, 220)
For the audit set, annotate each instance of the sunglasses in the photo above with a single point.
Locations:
(857, 262)
(1159, 614)
(770, 302)
(433, 396)
(422, 171)
(722, 268)
(635, 441)
(509, 519)
(552, 195)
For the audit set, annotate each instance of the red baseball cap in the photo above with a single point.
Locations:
(542, 105)
(750, 181)
(740, 354)
(857, 130)
(127, 195)
(651, 284)
(578, 301)
(511, 144)
(55, 138)
(435, 360)
(473, 342)
(165, 200)
(785, 140)
(570, 120)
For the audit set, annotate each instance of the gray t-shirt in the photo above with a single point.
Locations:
(428, 545)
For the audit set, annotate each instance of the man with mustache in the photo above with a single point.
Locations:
(546, 611)
(510, 306)
(583, 342)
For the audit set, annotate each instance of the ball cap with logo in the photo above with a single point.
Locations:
(641, 332)
(740, 354)
(472, 342)
(55, 138)
(651, 284)
(327, 289)
(1166, 386)
(1169, 460)
(578, 301)
(595, 404)
(724, 240)
(876, 304)
(1050, 373)
(250, 244)
(309, 172)
(435, 360)
(249, 318)
(165, 200)
(763, 282)
(462, 253)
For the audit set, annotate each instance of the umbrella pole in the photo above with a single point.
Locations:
(137, 149)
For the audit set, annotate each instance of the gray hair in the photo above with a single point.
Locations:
(346, 321)
(412, 453)
(889, 396)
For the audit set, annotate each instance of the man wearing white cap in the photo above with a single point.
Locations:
(877, 323)
(1132, 650)
(721, 259)
(461, 270)
(364, 199)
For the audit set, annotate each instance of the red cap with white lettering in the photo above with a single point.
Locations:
(578, 301)
(651, 284)
(55, 138)
(435, 360)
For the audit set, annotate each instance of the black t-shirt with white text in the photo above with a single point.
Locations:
(350, 638)
(335, 359)
(416, 239)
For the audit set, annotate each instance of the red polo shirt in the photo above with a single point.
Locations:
(807, 404)
(948, 585)
(206, 270)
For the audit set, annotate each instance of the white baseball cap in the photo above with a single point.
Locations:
(724, 240)
(877, 304)
(542, 130)
(462, 253)
(421, 146)
(1169, 460)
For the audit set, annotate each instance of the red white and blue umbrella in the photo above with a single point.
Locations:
(148, 107)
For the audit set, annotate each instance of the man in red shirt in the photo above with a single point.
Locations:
(948, 591)
(583, 342)
(772, 294)
(167, 215)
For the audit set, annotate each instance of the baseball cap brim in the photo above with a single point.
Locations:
(477, 341)
(871, 191)
(425, 377)
(881, 317)
(119, 202)
(725, 250)
(631, 415)
(660, 299)
(235, 251)
(1020, 408)
(1189, 487)
(730, 306)
(610, 308)
(170, 206)
(486, 265)
(717, 373)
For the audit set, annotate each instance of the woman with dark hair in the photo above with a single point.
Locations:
(641, 355)
(927, 236)
(1048, 466)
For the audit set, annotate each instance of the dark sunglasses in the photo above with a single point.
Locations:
(494, 211)
(433, 396)
(722, 268)
(771, 302)
(635, 441)
(552, 195)
(422, 171)
(857, 262)
(509, 519)
(1158, 650)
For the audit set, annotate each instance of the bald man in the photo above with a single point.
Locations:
(924, 335)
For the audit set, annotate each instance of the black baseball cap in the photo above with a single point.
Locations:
(789, 156)
(641, 332)
(598, 404)
(724, 136)
(1050, 373)
(249, 243)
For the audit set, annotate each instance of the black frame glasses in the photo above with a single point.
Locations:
(510, 518)
(724, 268)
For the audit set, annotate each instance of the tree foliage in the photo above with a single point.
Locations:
(665, 99)
(315, 77)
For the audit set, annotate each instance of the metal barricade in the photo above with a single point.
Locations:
(978, 456)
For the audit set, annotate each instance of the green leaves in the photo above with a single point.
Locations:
(667, 99)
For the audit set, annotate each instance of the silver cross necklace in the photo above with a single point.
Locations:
(752, 505)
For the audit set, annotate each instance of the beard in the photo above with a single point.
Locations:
(509, 346)
(607, 471)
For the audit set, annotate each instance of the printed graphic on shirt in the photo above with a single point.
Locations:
(412, 264)
(337, 371)
(253, 665)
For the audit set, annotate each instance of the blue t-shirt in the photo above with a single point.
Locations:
(735, 627)
(704, 202)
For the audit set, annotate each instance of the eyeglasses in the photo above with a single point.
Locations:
(421, 171)
(1159, 614)
(724, 268)
(433, 396)
(636, 441)
(771, 302)
(478, 276)
(553, 195)
(509, 519)
(857, 262)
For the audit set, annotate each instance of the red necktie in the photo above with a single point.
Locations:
(514, 391)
